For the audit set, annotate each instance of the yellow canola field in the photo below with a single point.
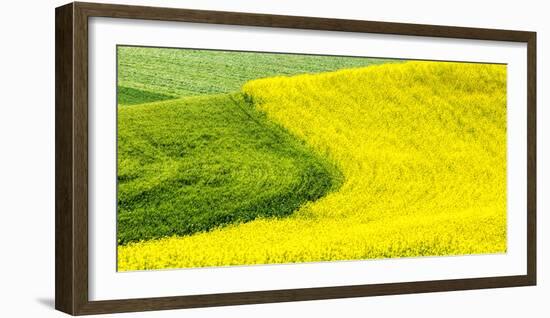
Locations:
(422, 147)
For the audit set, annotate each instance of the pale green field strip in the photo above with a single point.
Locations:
(154, 74)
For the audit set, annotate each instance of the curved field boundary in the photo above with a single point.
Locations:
(197, 163)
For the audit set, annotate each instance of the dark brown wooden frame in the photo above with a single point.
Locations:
(71, 158)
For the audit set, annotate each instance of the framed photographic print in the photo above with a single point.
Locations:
(211, 158)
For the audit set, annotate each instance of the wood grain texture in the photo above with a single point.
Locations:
(297, 22)
(71, 122)
(80, 157)
(64, 236)
(532, 158)
(230, 299)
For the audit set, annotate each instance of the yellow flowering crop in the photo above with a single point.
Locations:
(421, 146)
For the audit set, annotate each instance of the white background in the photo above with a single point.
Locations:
(27, 159)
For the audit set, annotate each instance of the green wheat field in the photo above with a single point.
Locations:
(241, 158)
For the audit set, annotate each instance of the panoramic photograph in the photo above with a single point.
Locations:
(231, 158)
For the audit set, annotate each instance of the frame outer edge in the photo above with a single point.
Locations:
(72, 278)
(532, 158)
(80, 158)
(64, 221)
(298, 22)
